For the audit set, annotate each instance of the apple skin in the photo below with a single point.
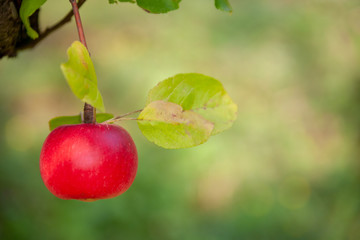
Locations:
(88, 162)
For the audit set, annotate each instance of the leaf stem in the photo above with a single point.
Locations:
(122, 117)
(89, 111)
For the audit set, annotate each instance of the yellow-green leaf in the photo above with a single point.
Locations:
(27, 8)
(80, 74)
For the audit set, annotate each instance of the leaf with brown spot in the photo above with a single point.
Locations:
(201, 94)
(166, 124)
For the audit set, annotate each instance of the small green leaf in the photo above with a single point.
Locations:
(199, 93)
(102, 117)
(27, 8)
(167, 125)
(223, 5)
(158, 6)
(80, 74)
(66, 120)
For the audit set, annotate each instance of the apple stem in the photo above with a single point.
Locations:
(89, 111)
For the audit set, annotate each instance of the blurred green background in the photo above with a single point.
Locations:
(289, 167)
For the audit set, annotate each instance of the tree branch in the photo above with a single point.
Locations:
(51, 29)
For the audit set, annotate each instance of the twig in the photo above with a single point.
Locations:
(78, 22)
(89, 111)
(49, 30)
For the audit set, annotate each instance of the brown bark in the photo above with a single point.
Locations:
(12, 31)
(13, 37)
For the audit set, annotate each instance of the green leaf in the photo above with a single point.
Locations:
(27, 8)
(80, 74)
(199, 93)
(223, 5)
(164, 6)
(169, 126)
(159, 6)
(66, 120)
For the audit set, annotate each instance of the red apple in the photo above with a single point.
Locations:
(88, 161)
